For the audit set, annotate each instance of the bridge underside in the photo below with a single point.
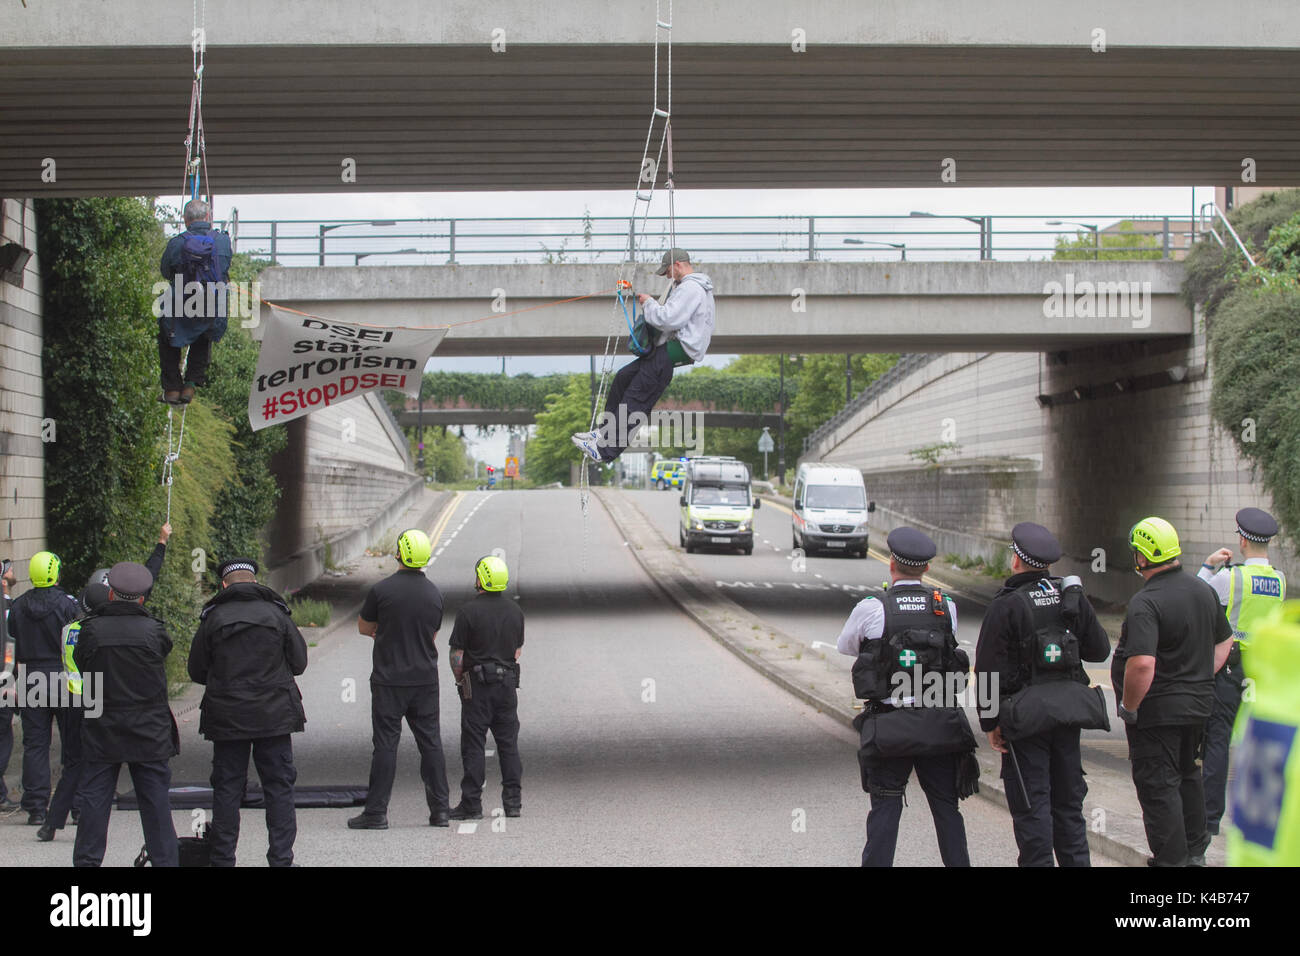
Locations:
(457, 416)
(458, 117)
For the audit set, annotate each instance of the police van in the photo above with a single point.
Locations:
(717, 506)
(830, 509)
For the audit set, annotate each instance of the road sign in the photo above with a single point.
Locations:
(765, 443)
(512, 467)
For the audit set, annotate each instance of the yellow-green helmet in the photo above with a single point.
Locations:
(1155, 539)
(492, 573)
(43, 569)
(413, 548)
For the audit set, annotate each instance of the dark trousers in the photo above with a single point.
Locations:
(196, 363)
(151, 780)
(419, 705)
(636, 388)
(1052, 768)
(64, 799)
(1218, 734)
(38, 736)
(886, 782)
(493, 707)
(6, 746)
(1169, 789)
(273, 758)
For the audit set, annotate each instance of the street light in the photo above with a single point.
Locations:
(985, 224)
(902, 247)
(1070, 222)
(356, 222)
(358, 256)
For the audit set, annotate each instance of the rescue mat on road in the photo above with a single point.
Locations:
(318, 797)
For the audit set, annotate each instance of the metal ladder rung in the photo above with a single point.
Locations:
(646, 197)
(663, 26)
(663, 113)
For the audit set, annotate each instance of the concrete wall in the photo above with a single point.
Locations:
(1088, 468)
(22, 455)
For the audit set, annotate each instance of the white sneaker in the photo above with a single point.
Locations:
(586, 441)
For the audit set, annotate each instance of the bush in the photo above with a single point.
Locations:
(307, 612)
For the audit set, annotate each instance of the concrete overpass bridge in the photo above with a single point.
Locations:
(457, 412)
(504, 95)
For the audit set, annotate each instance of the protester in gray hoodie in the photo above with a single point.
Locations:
(685, 324)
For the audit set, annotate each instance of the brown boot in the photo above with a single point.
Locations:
(170, 397)
(187, 394)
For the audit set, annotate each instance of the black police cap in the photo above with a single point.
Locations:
(1255, 524)
(93, 595)
(911, 547)
(1035, 545)
(129, 580)
(236, 564)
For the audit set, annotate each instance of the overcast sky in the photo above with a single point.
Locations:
(1091, 205)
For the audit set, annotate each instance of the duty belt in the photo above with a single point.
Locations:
(493, 673)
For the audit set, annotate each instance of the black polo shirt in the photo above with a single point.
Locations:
(489, 629)
(408, 609)
(1177, 619)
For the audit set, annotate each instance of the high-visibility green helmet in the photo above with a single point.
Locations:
(43, 569)
(1155, 539)
(413, 548)
(492, 573)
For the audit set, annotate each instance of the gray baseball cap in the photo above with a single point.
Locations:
(671, 256)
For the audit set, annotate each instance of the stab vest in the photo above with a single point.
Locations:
(1254, 592)
(1050, 651)
(918, 632)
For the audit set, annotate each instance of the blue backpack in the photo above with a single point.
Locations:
(199, 258)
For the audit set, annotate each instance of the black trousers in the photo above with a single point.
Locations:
(151, 780)
(886, 781)
(196, 363)
(1052, 768)
(1170, 791)
(493, 707)
(273, 758)
(419, 706)
(1218, 735)
(64, 799)
(38, 736)
(636, 388)
(6, 746)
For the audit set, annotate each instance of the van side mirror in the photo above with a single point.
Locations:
(871, 506)
(683, 501)
(758, 503)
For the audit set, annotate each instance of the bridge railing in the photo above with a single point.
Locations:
(918, 237)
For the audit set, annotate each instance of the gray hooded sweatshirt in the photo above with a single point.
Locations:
(686, 315)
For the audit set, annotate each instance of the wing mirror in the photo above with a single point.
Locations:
(871, 506)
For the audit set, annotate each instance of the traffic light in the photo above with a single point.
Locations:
(490, 469)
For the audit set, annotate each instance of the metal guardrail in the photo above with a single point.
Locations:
(589, 239)
(906, 365)
(1211, 216)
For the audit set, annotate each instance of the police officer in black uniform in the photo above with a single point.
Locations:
(485, 646)
(7, 695)
(1038, 630)
(912, 627)
(248, 651)
(127, 648)
(403, 613)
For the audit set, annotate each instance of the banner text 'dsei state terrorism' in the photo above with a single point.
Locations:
(308, 363)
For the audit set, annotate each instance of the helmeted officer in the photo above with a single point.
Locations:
(247, 651)
(1036, 633)
(127, 648)
(1249, 592)
(1175, 637)
(403, 613)
(486, 642)
(912, 628)
(36, 622)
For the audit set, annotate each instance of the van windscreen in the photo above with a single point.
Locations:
(847, 497)
(714, 495)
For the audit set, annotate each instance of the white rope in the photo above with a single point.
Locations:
(173, 456)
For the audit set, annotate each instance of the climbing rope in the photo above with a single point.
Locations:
(173, 456)
(647, 176)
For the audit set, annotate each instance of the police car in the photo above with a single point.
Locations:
(667, 473)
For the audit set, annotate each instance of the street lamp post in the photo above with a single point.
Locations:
(338, 225)
(901, 247)
(1096, 239)
(985, 224)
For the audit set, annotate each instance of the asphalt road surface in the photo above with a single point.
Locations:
(644, 741)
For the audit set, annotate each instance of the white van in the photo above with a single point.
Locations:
(717, 505)
(830, 509)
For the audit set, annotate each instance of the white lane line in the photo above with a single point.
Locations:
(467, 827)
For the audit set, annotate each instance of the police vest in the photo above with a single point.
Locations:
(71, 631)
(1265, 793)
(1051, 650)
(917, 639)
(1254, 592)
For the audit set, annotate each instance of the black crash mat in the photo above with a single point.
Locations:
(321, 796)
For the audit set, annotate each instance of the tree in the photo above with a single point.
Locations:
(1122, 244)
(550, 452)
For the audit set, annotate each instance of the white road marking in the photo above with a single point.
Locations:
(469, 826)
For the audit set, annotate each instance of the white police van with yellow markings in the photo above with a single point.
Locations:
(830, 509)
(717, 506)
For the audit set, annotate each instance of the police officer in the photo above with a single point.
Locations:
(1037, 631)
(880, 633)
(127, 648)
(247, 651)
(7, 691)
(36, 622)
(1249, 592)
(403, 613)
(486, 642)
(1175, 637)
